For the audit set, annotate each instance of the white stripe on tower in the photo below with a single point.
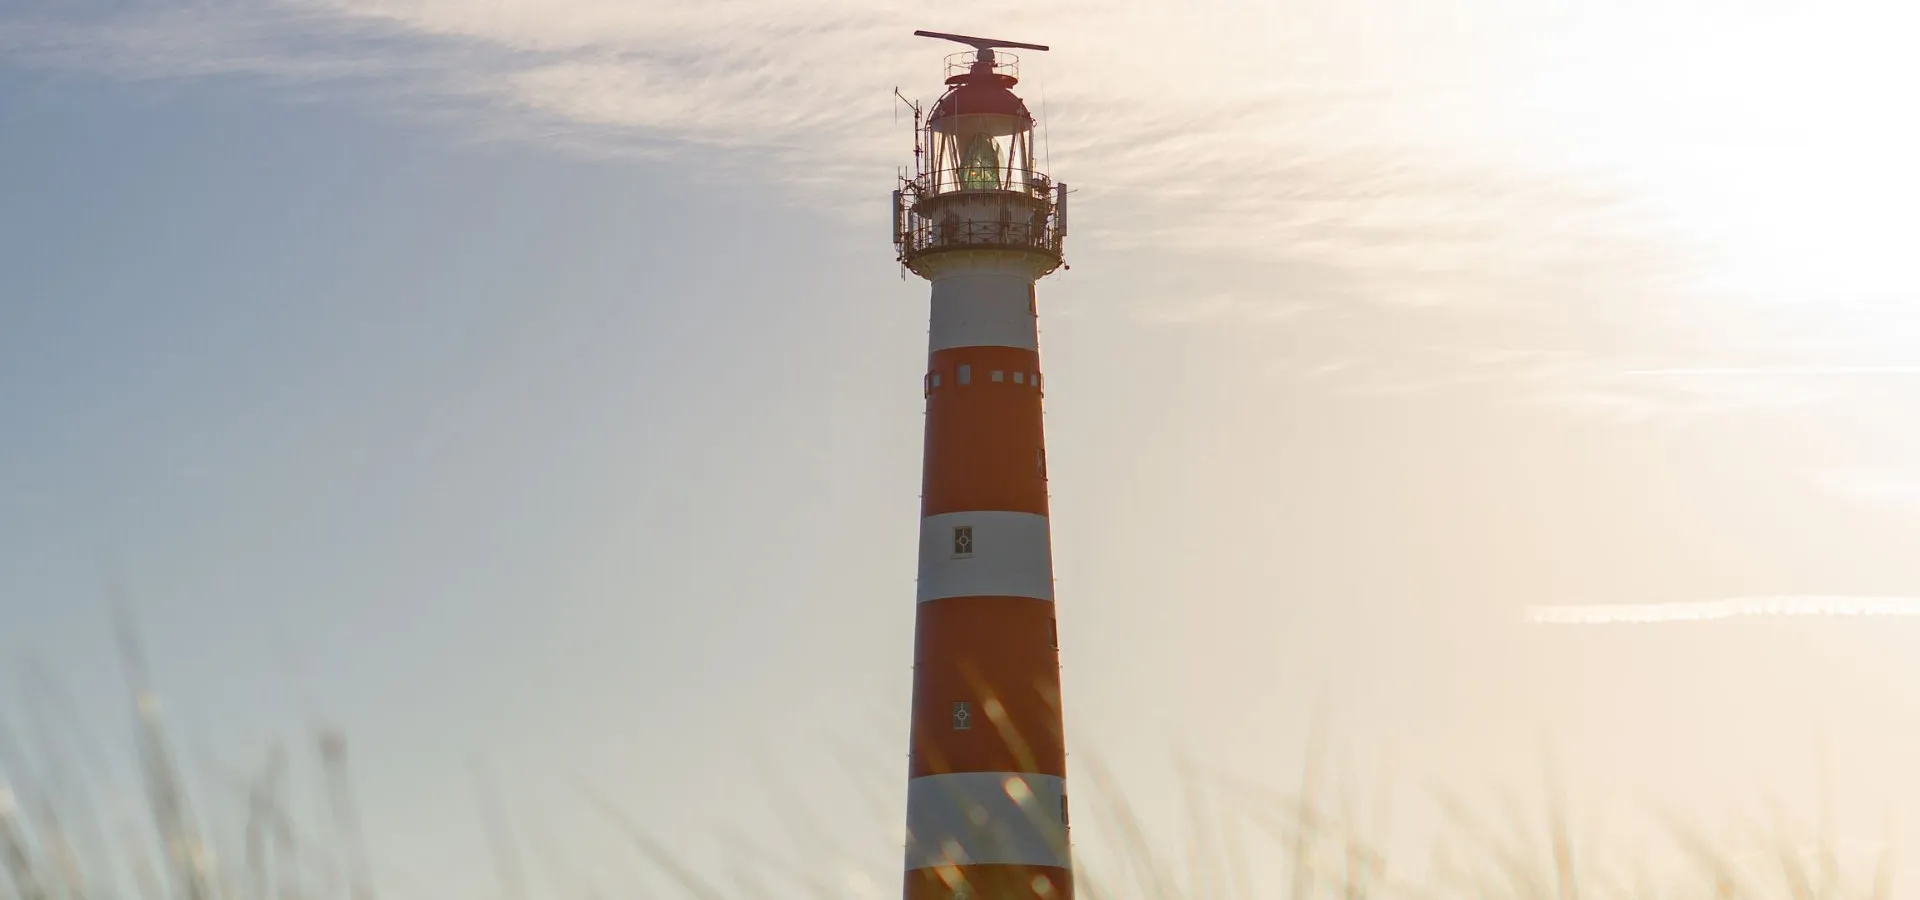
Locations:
(986, 818)
(1011, 556)
(984, 305)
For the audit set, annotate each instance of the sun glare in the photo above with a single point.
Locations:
(1776, 144)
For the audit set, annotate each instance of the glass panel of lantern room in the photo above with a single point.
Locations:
(980, 150)
(981, 160)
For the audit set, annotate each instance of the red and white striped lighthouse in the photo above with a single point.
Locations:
(986, 795)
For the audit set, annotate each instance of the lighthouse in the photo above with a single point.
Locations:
(986, 791)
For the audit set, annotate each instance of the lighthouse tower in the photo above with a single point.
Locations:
(986, 791)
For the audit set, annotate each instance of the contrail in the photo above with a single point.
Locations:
(1733, 607)
(1774, 371)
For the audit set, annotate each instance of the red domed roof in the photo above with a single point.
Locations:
(980, 94)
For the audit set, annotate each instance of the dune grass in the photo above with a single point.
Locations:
(1311, 838)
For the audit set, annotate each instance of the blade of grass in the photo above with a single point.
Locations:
(650, 848)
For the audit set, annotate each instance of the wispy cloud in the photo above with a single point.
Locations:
(154, 41)
(1221, 129)
(1678, 393)
(1629, 398)
(1488, 160)
(1733, 607)
(1814, 371)
(1891, 487)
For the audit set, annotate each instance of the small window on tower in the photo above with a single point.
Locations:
(1063, 811)
(999, 376)
(962, 540)
(962, 715)
(1019, 378)
(936, 379)
(966, 374)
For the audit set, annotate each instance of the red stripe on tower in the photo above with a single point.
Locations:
(987, 794)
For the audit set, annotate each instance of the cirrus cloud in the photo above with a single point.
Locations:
(1380, 154)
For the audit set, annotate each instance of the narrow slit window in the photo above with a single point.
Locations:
(1019, 378)
(962, 540)
(999, 376)
(966, 374)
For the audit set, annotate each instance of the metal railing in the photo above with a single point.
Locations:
(939, 182)
(1004, 63)
(918, 235)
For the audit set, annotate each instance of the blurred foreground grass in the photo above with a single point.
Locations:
(1236, 840)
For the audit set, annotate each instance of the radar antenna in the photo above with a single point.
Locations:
(986, 46)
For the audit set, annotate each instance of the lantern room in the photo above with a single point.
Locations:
(976, 185)
(980, 134)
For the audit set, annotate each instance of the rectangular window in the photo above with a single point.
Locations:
(962, 540)
(1054, 626)
(962, 715)
(1019, 378)
(936, 379)
(1040, 461)
(999, 376)
(966, 374)
(1063, 811)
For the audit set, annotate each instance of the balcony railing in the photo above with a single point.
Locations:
(1031, 217)
(961, 181)
(919, 236)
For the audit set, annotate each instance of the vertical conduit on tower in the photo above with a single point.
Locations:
(986, 796)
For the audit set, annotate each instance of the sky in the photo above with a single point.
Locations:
(528, 387)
